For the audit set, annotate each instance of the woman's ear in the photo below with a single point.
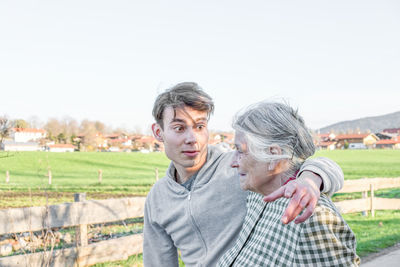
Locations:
(157, 132)
(275, 150)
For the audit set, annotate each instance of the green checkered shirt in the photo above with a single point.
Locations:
(324, 239)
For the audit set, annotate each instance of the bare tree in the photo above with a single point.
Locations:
(89, 131)
(70, 129)
(54, 128)
(100, 127)
(5, 128)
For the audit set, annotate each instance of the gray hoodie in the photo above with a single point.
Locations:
(204, 222)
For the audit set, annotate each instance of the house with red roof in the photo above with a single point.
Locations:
(61, 148)
(148, 143)
(389, 143)
(23, 135)
(356, 141)
(342, 141)
(325, 141)
(328, 145)
(118, 142)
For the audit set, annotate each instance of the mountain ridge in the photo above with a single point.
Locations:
(374, 124)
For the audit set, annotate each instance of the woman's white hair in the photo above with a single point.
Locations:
(267, 124)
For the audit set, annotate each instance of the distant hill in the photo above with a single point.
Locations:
(374, 124)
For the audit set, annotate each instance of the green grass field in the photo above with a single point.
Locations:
(129, 174)
(358, 164)
(124, 174)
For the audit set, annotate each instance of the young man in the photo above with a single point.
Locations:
(198, 207)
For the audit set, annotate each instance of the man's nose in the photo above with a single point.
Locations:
(190, 137)
(235, 162)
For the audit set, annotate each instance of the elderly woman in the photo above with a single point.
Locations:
(272, 142)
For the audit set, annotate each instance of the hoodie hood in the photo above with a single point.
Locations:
(214, 155)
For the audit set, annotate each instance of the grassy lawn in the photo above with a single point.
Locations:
(124, 174)
(130, 174)
(358, 164)
(375, 233)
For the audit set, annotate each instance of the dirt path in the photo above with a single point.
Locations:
(388, 257)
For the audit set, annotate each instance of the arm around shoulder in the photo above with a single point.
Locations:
(158, 247)
(330, 173)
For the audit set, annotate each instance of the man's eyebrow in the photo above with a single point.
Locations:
(201, 119)
(183, 121)
(177, 120)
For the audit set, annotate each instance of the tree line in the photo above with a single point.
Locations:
(63, 131)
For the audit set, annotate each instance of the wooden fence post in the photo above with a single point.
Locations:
(81, 230)
(156, 174)
(372, 201)
(49, 174)
(100, 175)
(365, 195)
(7, 177)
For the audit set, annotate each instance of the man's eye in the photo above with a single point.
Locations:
(201, 126)
(238, 150)
(179, 128)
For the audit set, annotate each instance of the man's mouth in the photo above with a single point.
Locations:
(191, 153)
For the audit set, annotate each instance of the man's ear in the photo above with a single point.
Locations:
(157, 132)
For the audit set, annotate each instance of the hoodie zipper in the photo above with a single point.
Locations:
(195, 224)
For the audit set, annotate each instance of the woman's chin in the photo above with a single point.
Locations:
(246, 187)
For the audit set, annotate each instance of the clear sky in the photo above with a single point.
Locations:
(107, 60)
